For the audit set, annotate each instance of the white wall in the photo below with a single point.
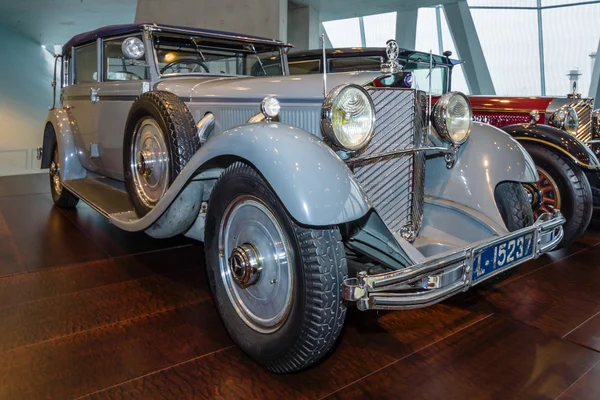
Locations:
(25, 94)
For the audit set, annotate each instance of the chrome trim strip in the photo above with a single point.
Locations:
(399, 152)
(366, 290)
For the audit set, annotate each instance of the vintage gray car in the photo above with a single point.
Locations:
(308, 195)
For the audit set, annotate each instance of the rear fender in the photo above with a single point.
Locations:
(60, 125)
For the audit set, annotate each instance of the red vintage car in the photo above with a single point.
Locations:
(562, 134)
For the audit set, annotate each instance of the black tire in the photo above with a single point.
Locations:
(178, 129)
(317, 311)
(573, 186)
(60, 195)
(514, 206)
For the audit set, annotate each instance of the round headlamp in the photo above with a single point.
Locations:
(133, 48)
(565, 118)
(452, 117)
(348, 117)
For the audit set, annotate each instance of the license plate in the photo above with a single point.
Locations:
(503, 255)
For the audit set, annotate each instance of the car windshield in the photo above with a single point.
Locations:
(418, 67)
(417, 63)
(177, 54)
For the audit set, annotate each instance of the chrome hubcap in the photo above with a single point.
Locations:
(55, 174)
(255, 264)
(550, 200)
(245, 265)
(150, 162)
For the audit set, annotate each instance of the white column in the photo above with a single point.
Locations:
(267, 18)
(303, 28)
(595, 83)
(406, 29)
(468, 47)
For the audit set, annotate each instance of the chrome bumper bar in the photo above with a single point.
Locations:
(437, 279)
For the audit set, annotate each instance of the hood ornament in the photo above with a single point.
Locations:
(392, 51)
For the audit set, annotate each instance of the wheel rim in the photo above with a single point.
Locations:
(149, 162)
(255, 264)
(550, 195)
(55, 173)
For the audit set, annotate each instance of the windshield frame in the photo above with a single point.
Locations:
(281, 48)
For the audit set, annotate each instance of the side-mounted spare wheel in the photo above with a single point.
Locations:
(277, 285)
(60, 195)
(564, 186)
(160, 138)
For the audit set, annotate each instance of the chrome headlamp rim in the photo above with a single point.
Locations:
(439, 115)
(326, 117)
(560, 122)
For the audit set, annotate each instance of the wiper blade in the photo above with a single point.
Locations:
(198, 50)
(251, 46)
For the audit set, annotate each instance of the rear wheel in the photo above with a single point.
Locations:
(60, 196)
(563, 186)
(277, 285)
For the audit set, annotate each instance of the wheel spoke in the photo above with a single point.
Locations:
(547, 200)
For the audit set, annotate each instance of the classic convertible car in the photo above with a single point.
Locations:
(306, 198)
(556, 131)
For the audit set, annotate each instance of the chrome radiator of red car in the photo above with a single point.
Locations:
(395, 184)
(583, 108)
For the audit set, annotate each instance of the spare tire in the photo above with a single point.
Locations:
(160, 138)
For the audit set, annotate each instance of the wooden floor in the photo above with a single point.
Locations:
(89, 311)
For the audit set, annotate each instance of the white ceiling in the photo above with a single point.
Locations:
(51, 22)
(337, 9)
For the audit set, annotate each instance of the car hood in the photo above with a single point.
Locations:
(510, 103)
(290, 89)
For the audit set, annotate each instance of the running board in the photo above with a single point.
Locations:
(111, 200)
(104, 195)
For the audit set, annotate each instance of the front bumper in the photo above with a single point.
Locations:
(441, 277)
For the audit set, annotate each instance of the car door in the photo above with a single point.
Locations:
(79, 98)
(124, 79)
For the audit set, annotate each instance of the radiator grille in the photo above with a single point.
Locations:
(584, 114)
(395, 185)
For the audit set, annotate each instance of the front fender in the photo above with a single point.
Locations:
(312, 182)
(556, 139)
(489, 157)
(59, 125)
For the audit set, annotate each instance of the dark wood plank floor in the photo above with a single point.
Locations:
(88, 311)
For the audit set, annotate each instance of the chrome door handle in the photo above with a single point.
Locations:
(94, 96)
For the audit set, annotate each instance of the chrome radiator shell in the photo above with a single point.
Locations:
(395, 184)
(584, 108)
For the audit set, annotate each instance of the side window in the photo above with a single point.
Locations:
(86, 64)
(119, 67)
(304, 67)
(355, 64)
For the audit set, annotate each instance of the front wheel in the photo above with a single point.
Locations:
(277, 285)
(565, 187)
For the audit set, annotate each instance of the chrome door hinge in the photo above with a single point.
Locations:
(39, 152)
(94, 96)
(145, 87)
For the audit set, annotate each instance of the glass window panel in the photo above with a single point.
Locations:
(86, 63)
(304, 67)
(344, 32)
(502, 3)
(546, 3)
(509, 39)
(459, 82)
(566, 48)
(427, 37)
(117, 67)
(379, 29)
